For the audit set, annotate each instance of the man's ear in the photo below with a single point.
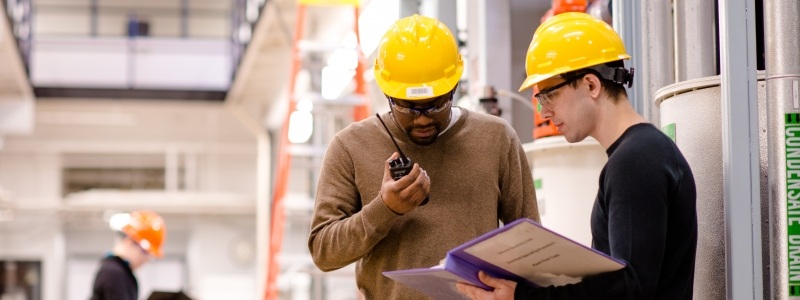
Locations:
(594, 85)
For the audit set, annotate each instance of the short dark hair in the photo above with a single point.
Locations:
(612, 89)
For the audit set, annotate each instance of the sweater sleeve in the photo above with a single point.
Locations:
(517, 194)
(611, 285)
(342, 231)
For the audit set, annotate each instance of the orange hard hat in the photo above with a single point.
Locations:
(562, 6)
(147, 229)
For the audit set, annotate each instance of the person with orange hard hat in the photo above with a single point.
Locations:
(644, 213)
(141, 238)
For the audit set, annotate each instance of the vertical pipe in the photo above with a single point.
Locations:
(782, 33)
(494, 54)
(93, 11)
(658, 60)
(740, 151)
(190, 172)
(695, 36)
(53, 264)
(263, 180)
(627, 22)
(694, 56)
(443, 10)
(171, 166)
(263, 207)
(185, 18)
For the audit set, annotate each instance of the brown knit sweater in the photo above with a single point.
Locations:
(479, 174)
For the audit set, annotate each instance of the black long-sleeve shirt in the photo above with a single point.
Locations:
(115, 281)
(644, 214)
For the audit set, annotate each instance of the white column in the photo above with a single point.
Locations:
(740, 151)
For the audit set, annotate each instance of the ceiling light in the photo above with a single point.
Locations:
(376, 18)
(301, 125)
(334, 80)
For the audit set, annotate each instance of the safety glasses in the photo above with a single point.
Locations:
(430, 112)
(545, 96)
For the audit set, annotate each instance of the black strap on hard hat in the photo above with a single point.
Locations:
(616, 74)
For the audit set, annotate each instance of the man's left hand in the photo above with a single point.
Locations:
(503, 289)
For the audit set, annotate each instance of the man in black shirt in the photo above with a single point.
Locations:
(141, 238)
(644, 213)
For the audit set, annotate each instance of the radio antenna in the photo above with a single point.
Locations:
(403, 156)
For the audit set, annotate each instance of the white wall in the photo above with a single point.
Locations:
(34, 176)
(203, 243)
(209, 257)
(37, 237)
(167, 274)
(221, 259)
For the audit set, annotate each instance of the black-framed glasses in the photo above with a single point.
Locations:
(430, 112)
(545, 96)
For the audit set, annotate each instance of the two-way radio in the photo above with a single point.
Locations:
(401, 166)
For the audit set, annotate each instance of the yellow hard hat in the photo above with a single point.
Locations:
(568, 42)
(418, 59)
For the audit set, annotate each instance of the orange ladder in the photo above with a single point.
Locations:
(360, 112)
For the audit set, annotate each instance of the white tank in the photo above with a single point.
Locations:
(690, 114)
(566, 179)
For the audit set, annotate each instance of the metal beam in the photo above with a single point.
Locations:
(740, 152)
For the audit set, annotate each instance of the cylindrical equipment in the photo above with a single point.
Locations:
(658, 61)
(565, 176)
(695, 39)
(690, 115)
(782, 39)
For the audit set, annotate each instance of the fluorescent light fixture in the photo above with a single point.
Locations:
(334, 80)
(350, 41)
(86, 118)
(118, 220)
(305, 104)
(244, 33)
(376, 18)
(251, 11)
(301, 125)
(344, 58)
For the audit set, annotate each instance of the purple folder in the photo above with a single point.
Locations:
(521, 251)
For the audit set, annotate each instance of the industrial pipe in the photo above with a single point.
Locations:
(782, 38)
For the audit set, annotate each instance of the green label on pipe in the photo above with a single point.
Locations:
(669, 130)
(792, 139)
(537, 184)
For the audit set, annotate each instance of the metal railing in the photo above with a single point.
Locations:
(18, 14)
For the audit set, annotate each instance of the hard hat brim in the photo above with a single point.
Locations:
(156, 252)
(439, 87)
(532, 80)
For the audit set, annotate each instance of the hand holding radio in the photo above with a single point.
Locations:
(401, 166)
(407, 192)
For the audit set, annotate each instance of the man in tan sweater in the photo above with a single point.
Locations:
(471, 166)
